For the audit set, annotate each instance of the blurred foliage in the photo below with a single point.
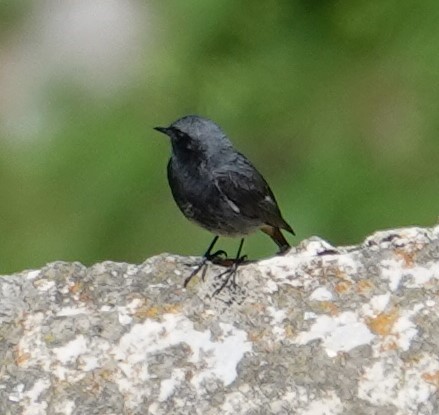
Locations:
(335, 102)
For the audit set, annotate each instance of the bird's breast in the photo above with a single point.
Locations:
(191, 185)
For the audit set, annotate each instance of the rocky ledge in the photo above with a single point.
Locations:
(319, 331)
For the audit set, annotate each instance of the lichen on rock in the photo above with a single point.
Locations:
(320, 330)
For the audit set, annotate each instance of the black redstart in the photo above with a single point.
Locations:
(218, 188)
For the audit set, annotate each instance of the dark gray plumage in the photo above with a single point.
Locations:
(217, 187)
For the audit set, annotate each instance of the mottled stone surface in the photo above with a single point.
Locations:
(321, 330)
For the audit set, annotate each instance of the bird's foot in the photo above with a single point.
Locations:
(229, 274)
(215, 258)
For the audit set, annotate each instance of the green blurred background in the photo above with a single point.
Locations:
(336, 103)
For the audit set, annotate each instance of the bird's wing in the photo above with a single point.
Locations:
(248, 193)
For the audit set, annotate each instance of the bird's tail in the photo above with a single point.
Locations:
(277, 237)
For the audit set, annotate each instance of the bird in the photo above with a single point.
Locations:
(218, 188)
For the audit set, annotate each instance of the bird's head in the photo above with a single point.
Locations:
(193, 135)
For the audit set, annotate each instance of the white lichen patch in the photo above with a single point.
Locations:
(339, 333)
(329, 405)
(271, 287)
(17, 393)
(347, 330)
(376, 305)
(298, 269)
(404, 330)
(33, 274)
(379, 383)
(72, 311)
(345, 263)
(88, 362)
(277, 316)
(32, 350)
(30, 399)
(125, 312)
(403, 384)
(72, 357)
(391, 271)
(309, 315)
(64, 407)
(168, 386)
(71, 351)
(321, 294)
(395, 271)
(69, 362)
(212, 359)
(379, 303)
(315, 246)
(418, 276)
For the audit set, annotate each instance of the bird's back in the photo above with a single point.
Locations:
(242, 183)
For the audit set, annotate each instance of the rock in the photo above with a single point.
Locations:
(319, 331)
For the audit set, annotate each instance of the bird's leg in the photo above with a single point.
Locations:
(230, 273)
(208, 256)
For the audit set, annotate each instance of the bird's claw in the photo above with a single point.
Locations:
(230, 274)
(196, 270)
(203, 264)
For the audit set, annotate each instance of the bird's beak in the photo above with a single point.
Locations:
(163, 130)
